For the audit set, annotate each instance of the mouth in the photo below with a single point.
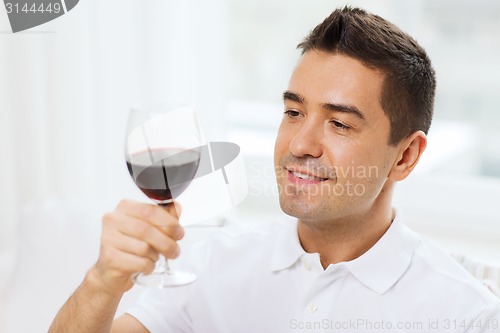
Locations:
(304, 176)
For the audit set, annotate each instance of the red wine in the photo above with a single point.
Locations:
(163, 174)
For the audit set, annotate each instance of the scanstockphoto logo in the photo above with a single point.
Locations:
(26, 14)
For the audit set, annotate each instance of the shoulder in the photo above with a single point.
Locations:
(445, 279)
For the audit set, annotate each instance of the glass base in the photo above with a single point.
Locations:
(164, 279)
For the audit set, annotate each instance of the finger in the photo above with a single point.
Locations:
(142, 231)
(173, 208)
(118, 261)
(132, 245)
(153, 214)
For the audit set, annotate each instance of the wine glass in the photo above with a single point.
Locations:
(162, 150)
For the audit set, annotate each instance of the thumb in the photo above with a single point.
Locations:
(175, 209)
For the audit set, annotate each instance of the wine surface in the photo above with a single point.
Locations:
(163, 174)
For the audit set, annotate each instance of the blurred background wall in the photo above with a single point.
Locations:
(66, 88)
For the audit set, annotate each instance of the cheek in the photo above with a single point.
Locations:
(357, 164)
(373, 172)
(281, 144)
(342, 156)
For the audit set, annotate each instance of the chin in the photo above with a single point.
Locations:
(288, 207)
(310, 210)
(298, 209)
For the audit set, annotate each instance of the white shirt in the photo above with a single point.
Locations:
(264, 282)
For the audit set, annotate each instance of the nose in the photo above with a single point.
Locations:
(308, 140)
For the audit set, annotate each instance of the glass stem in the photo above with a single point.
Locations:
(162, 266)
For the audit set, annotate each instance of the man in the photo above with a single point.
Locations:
(357, 110)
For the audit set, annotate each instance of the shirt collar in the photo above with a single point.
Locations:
(384, 263)
(287, 249)
(379, 268)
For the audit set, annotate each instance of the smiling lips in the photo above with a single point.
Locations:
(303, 177)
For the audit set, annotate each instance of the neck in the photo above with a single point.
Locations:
(348, 237)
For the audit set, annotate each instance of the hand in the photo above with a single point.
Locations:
(133, 236)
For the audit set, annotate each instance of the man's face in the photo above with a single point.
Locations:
(332, 155)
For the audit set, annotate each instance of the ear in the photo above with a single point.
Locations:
(409, 154)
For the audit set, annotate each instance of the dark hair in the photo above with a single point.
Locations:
(409, 85)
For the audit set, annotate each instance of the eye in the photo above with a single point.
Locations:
(292, 113)
(338, 125)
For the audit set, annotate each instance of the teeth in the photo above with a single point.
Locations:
(306, 177)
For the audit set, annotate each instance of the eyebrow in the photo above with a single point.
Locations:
(294, 97)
